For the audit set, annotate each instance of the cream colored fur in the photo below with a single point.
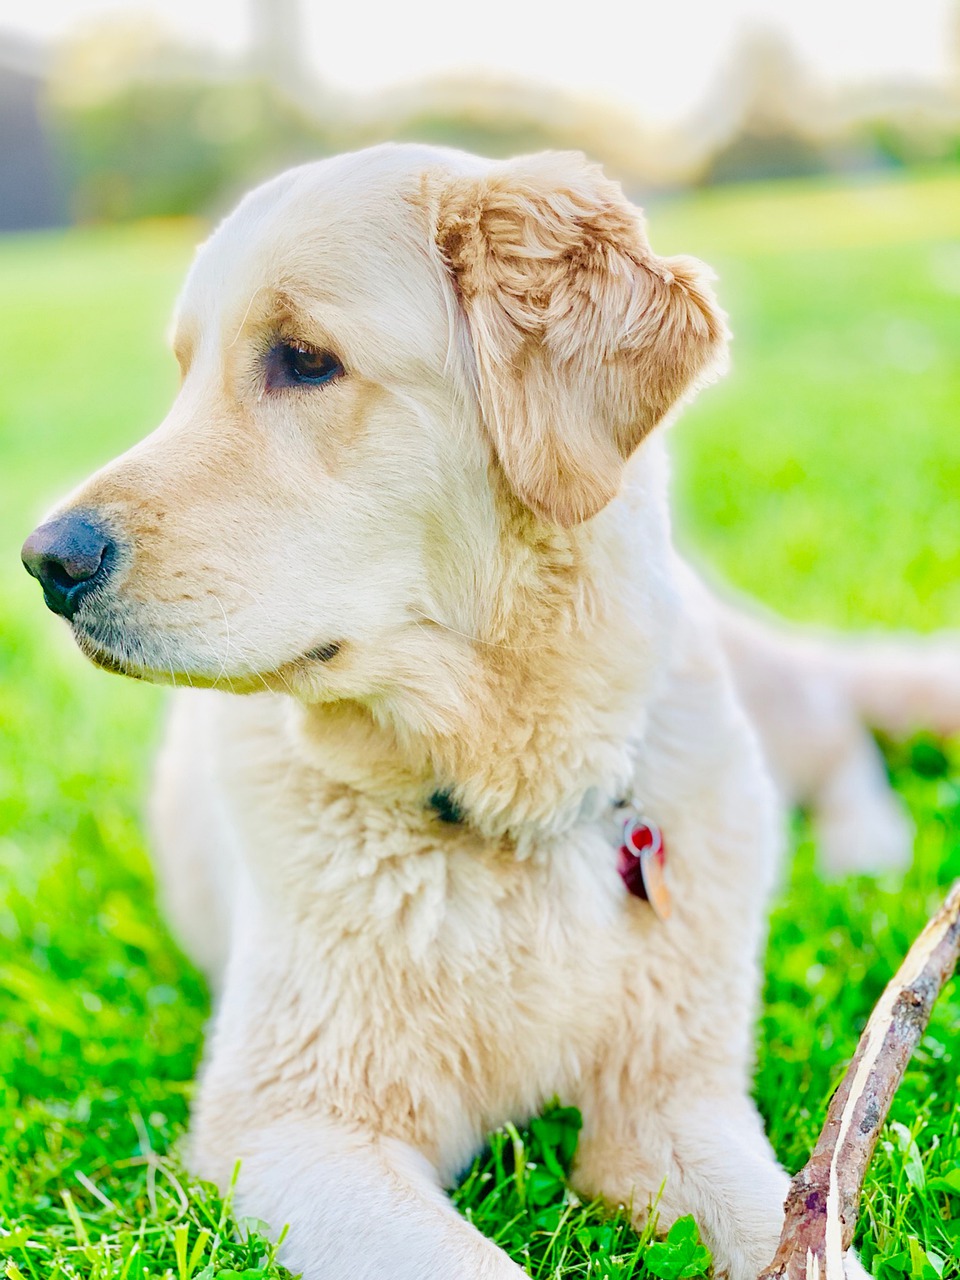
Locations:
(476, 513)
(811, 694)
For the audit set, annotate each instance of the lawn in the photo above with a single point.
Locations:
(820, 476)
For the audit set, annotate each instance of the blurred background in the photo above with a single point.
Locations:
(809, 151)
(112, 112)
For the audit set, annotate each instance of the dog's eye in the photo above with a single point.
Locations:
(293, 364)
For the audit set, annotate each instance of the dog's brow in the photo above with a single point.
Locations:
(282, 307)
(243, 319)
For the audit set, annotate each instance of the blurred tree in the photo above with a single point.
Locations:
(146, 128)
(277, 45)
(503, 117)
(769, 109)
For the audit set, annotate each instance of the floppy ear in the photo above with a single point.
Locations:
(583, 338)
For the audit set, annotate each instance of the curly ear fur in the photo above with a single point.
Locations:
(583, 338)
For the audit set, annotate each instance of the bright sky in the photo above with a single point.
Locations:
(659, 56)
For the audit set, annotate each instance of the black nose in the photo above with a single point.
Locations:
(68, 557)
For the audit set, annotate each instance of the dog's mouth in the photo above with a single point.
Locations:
(127, 653)
(109, 662)
(322, 652)
(111, 653)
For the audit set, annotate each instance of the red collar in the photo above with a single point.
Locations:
(641, 861)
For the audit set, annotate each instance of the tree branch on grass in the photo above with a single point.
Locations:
(824, 1197)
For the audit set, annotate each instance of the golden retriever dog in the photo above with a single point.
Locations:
(496, 827)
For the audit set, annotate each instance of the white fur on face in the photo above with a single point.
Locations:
(508, 340)
(259, 525)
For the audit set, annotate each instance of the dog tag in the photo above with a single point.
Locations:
(642, 864)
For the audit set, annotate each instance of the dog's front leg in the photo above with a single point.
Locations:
(358, 1206)
(711, 1157)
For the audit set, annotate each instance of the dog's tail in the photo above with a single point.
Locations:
(901, 684)
(813, 699)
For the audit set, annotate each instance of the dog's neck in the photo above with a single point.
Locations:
(532, 727)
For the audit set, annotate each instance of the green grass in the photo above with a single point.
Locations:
(821, 477)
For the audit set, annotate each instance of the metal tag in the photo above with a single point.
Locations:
(642, 863)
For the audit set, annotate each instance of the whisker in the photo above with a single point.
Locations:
(226, 652)
(253, 298)
(490, 644)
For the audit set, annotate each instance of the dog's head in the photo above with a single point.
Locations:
(393, 362)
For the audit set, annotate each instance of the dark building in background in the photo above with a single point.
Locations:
(30, 191)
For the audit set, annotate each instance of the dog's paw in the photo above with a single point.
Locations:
(853, 1268)
(867, 837)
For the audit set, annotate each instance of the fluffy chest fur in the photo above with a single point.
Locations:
(401, 972)
(400, 963)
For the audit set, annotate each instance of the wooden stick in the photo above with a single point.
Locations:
(824, 1197)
